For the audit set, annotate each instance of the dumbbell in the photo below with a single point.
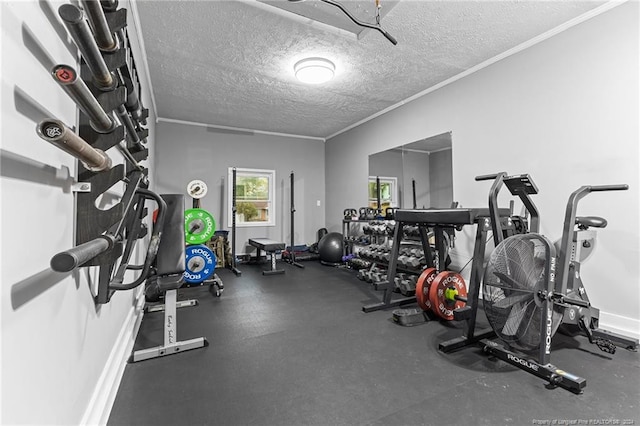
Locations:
(415, 251)
(368, 274)
(358, 263)
(403, 259)
(411, 231)
(390, 229)
(361, 275)
(397, 280)
(382, 251)
(407, 286)
(368, 251)
(415, 262)
(378, 275)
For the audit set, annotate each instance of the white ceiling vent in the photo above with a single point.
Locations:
(320, 14)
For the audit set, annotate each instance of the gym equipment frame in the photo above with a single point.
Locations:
(234, 212)
(292, 256)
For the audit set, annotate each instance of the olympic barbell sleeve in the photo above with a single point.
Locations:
(74, 21)
(69, 260)
(57, 133)
(101, 31)
(67, 78)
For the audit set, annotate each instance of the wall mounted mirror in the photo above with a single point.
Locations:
(416, 175)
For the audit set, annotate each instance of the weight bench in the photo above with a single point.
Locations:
(170, 267)
(270, 247)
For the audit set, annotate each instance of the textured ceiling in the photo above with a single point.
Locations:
(230, 63)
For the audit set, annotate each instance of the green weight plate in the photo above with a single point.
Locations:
(199, 226)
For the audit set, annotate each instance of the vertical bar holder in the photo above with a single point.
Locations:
(292, 254)
(233, 266)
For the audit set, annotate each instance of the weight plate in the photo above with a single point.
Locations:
(199, 226)
(200, 264)
(422, 287)
(443, 306)
(197, 189)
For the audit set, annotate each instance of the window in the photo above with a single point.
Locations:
(388, 193)
(255, 197)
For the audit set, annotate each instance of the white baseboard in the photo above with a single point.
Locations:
(624, 325)
(104, 394)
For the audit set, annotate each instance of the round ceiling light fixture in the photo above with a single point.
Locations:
(314, 70)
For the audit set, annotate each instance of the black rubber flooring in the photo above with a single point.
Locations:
(296, 349)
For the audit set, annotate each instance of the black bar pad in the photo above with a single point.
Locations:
(171, 253)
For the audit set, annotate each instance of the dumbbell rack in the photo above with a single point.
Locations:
(376, 260)
(440, 221)
(346, 232)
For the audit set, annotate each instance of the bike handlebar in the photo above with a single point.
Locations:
(621, 187)
(487, 177)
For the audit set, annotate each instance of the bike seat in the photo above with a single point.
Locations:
(585, 222)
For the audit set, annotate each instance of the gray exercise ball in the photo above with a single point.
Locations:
(330, 248)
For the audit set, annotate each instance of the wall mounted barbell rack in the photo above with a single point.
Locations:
(108, 83)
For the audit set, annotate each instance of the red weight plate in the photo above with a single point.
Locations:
(440, 305)
(422, 288)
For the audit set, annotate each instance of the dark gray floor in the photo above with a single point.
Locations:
(296, 349)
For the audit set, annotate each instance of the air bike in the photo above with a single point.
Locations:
(531, 288)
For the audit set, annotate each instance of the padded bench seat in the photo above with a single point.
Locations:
(445, 217)
(270, 247)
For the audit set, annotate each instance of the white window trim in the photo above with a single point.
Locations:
(272, 197)
(394, 188)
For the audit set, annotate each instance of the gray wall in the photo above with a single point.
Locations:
(564, 110)
(441, 179)
(386, 164)
(431, 171)
(416, 166)
(186, 152)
